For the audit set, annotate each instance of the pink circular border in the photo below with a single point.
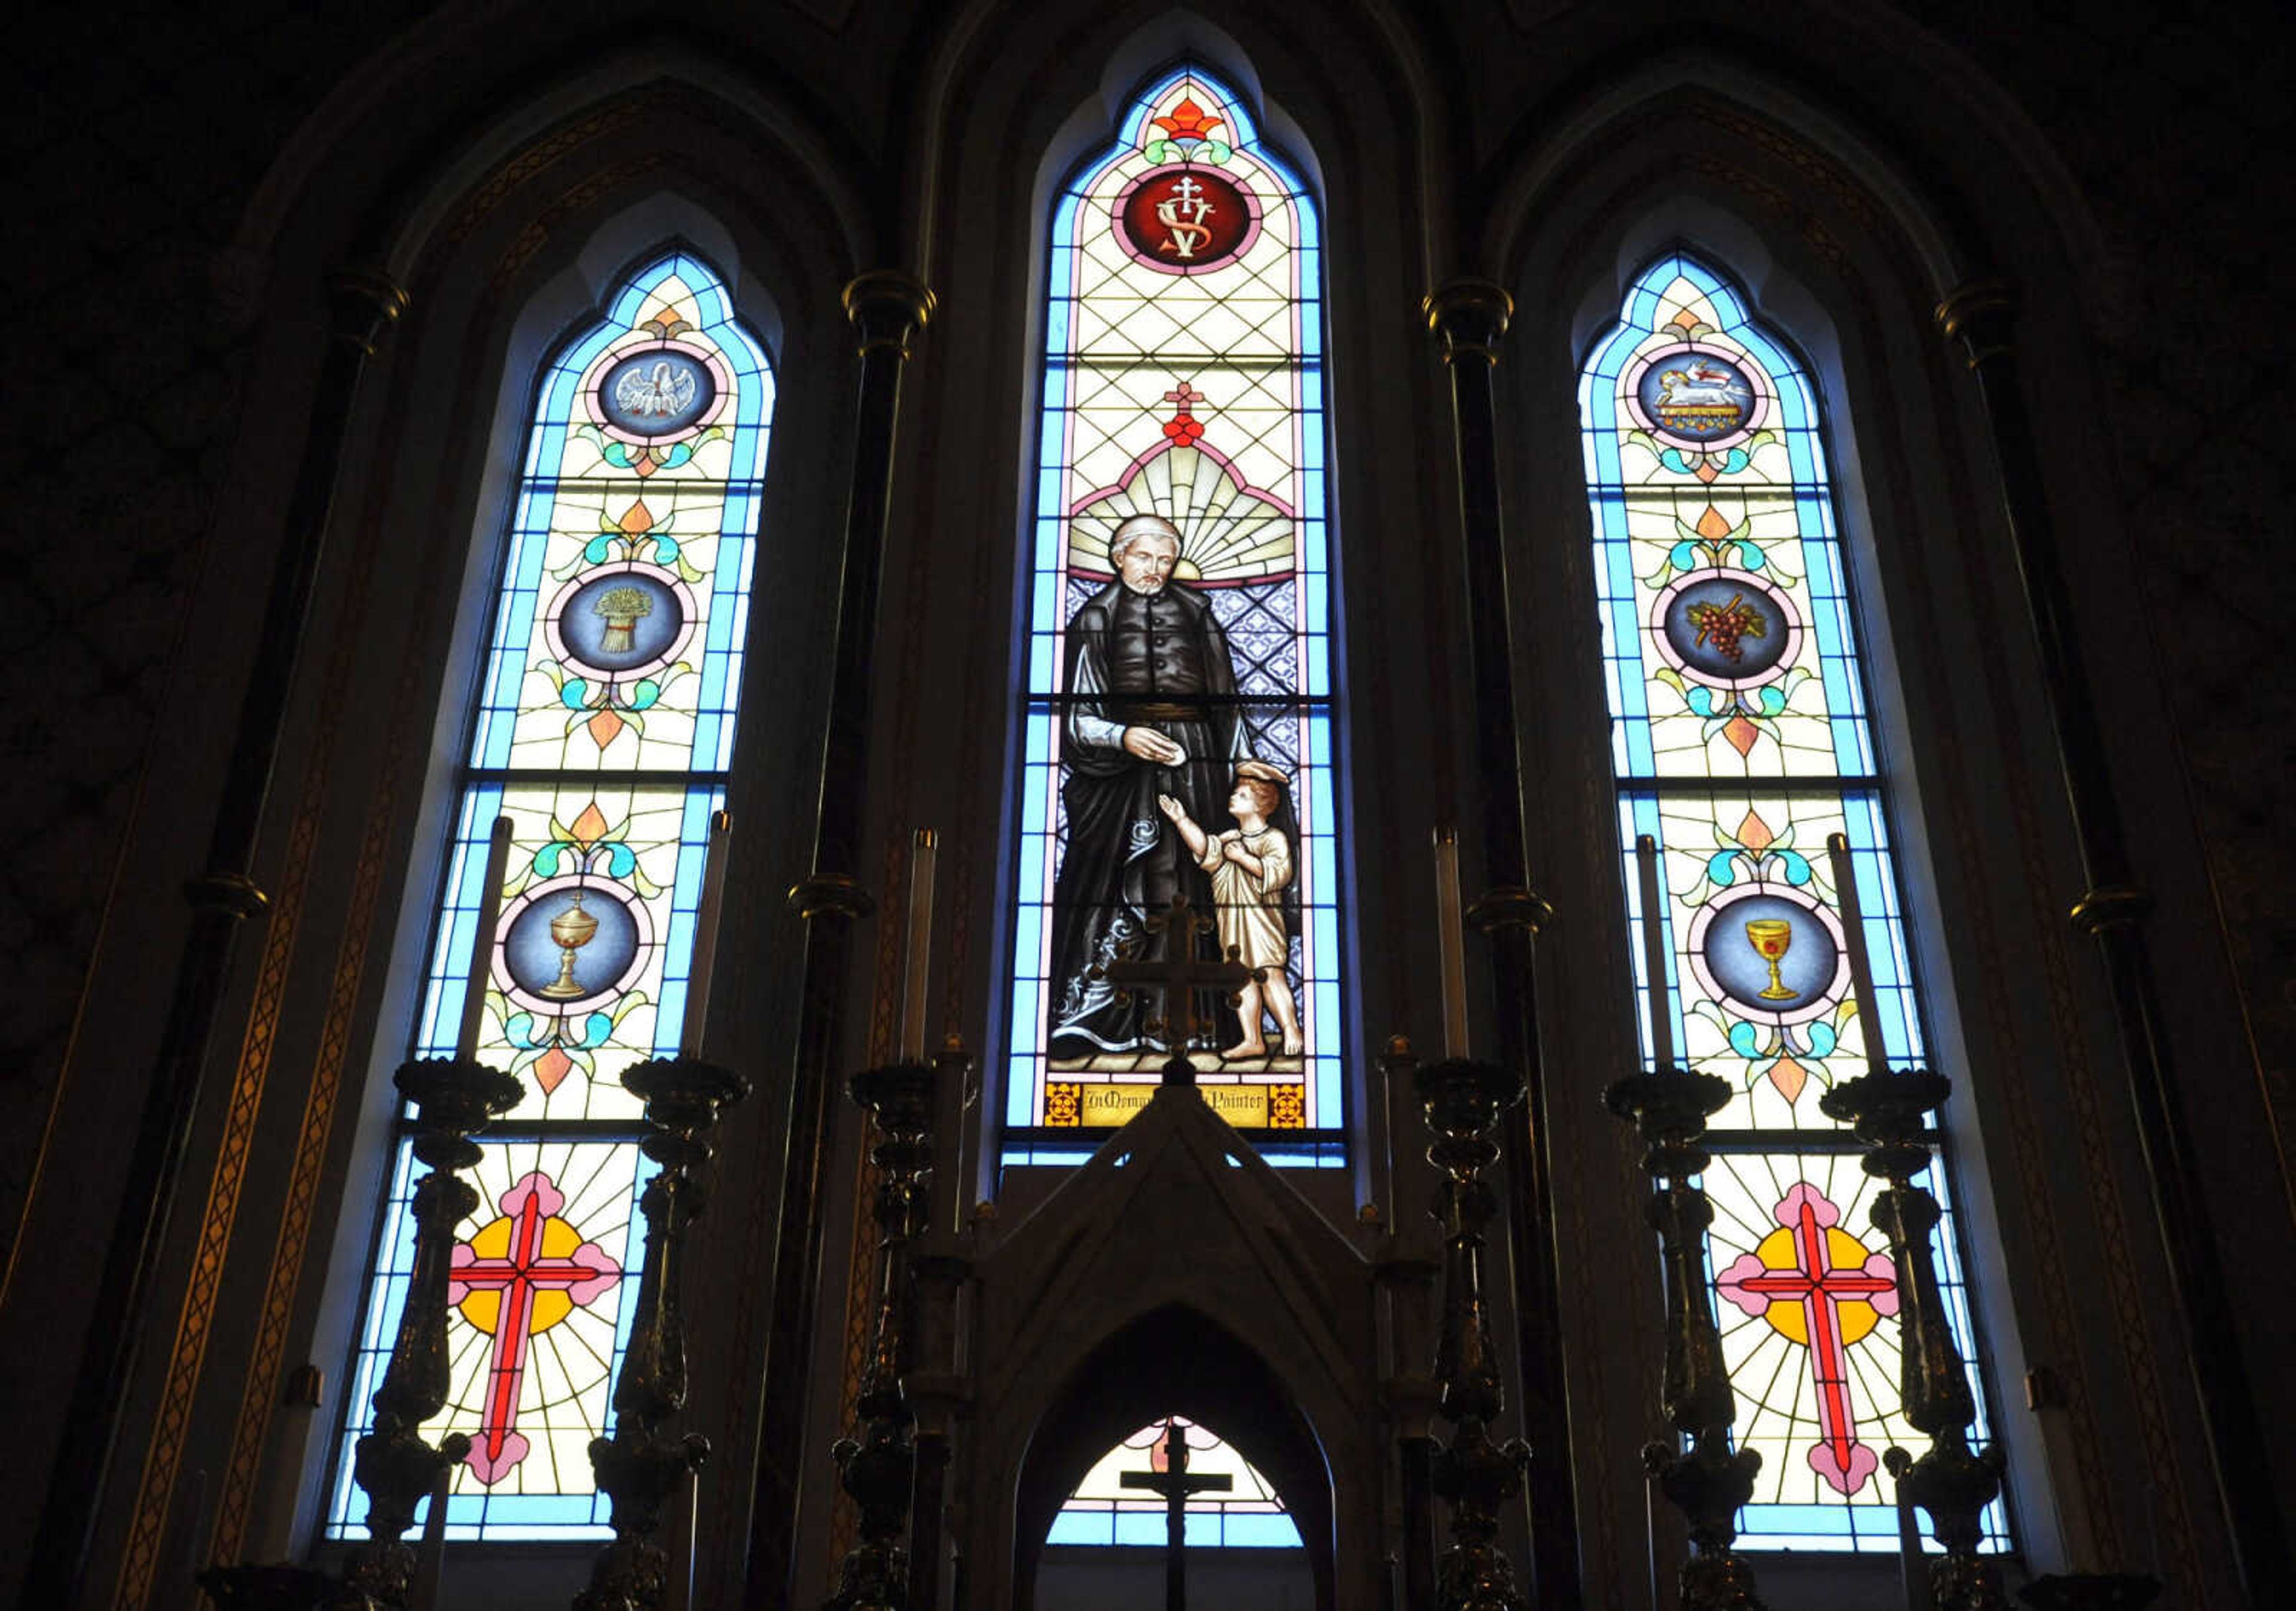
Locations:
(1253, 205)
(721, 380)
(1656, 626)
(1630, 393)
(568, 657)
(1694, 944)
(543, 1005)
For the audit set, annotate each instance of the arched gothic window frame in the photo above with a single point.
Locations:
(1571, 272)
(490, 714)
(1817, 623)
(1098, 136)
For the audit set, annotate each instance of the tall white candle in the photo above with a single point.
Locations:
(1662, 1008)
(913, 986)
(482, 954)
(1861, 964)
(704, 965)
(1450, 917)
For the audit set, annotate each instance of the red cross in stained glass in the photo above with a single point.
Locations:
(1819, 1286)
(1182, 428)
(516, 1277)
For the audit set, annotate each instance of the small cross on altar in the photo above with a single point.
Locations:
(1179, 974)
(1174, 1482)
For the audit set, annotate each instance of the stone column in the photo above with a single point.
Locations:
(363, 305)
(887, 308)
(1470, 317)
(2111, 910)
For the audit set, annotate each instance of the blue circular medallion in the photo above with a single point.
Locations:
(622, 619)
(1695, 396)
(657, 392)
(571, 944)
(1770, 955)
(1724, 629)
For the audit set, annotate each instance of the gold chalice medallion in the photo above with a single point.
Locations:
(1769, 936)
(574, 929)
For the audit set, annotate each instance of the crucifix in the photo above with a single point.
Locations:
(1179, 974)
(1174, 1482)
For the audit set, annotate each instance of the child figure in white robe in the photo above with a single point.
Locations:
(1250, 867)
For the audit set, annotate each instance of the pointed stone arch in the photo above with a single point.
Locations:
(1175, 1273)
(1173, 1361)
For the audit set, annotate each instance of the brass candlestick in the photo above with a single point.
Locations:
(1473, 1475)
(879, 1466)
(640, 1467)
(453, 1098)
(1710, 1481)
(1953, 1481)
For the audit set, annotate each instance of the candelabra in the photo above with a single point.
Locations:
(1951, 1481)
(641, 1467)
(879, 1466)
(1708, 1481)
(1473, 1474)
(454, 1097)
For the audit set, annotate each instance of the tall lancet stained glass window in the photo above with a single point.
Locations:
(602, 727)
(1177, 711)
(1740, 739)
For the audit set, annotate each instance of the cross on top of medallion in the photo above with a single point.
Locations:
(1184, 427)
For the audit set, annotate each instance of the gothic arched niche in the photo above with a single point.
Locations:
(1172, 1361)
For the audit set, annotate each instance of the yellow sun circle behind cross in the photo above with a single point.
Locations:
(545, 1306)
(1856, 1317)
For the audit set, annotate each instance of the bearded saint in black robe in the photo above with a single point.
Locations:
(1153, 712)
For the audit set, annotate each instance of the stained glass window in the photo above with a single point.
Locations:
(1248, 1514)
(1177, 714)
(602, 727)
(1741, 740)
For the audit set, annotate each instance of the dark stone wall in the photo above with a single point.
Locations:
(2172, 120)
(139, 140)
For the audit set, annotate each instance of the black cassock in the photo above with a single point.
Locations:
(1136, 660)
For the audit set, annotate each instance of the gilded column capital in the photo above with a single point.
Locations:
(1977, 313)
(1510, 907)
(234, 893)
(830, 895)
(887, 306)
(2110, 906)
(1469, 316)
(363, 303)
